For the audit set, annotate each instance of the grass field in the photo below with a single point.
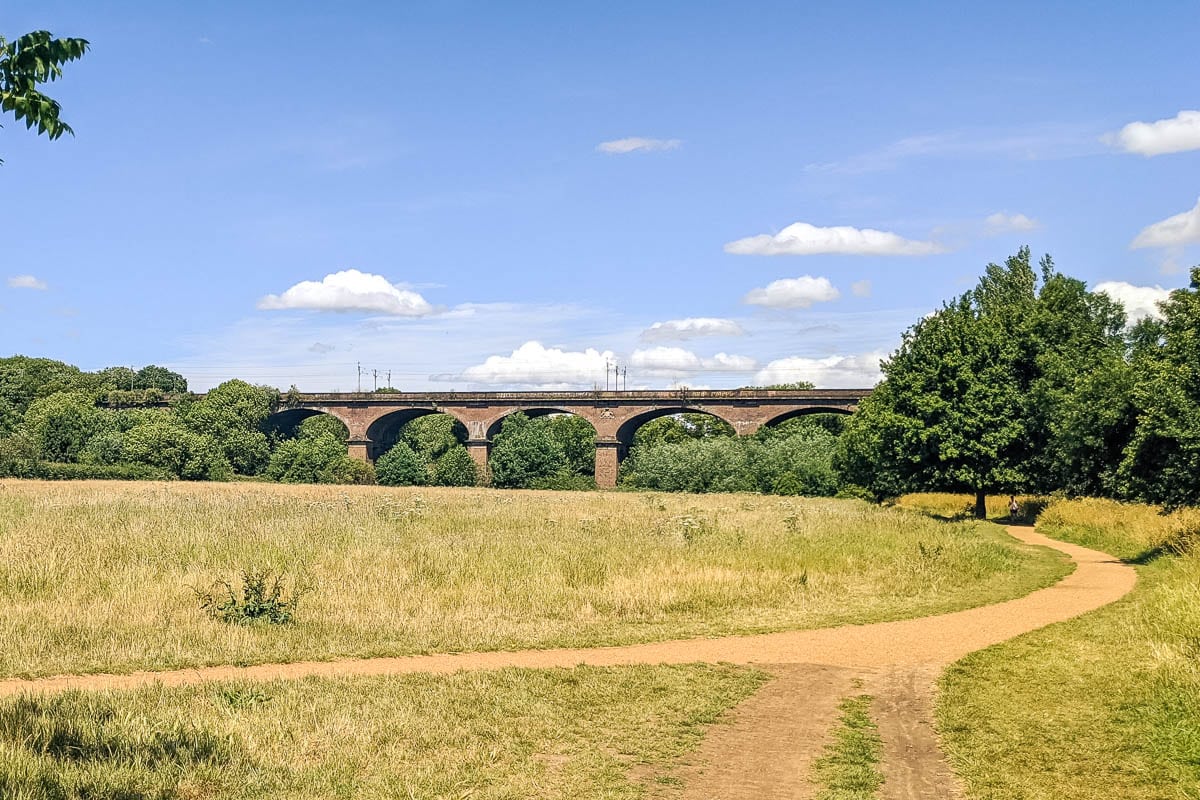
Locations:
(585, 732)
(1107, 705)
(102, 576)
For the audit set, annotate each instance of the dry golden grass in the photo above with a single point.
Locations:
(948, 505)
(586, 732)
(100, 576)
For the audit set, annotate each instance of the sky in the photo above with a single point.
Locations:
(477, 195)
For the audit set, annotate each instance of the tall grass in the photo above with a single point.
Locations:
(1107, 705)
(584, 732)
(103, 576)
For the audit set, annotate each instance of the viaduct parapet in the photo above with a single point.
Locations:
(374, 420)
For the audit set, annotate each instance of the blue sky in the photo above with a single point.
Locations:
(508, 195)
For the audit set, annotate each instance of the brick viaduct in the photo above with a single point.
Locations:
(374, 420)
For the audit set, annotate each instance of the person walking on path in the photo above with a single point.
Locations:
(1013, 508)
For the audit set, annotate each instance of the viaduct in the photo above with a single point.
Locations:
(375, 420)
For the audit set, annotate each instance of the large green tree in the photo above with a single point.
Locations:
(26, 63)
(523, 453)
(1162, 461)
(973, 398)
(234, 415)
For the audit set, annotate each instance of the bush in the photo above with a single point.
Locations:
(262, 598)
(522, 453)
(168, 445)
(455, 468)
(348, 470)
(304, 460)
(65, 471)
(400, 466)
(853, 492)
(796, 464)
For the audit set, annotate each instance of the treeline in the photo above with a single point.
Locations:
(1027, 383)
(57, 421)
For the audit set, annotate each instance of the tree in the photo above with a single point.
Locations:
(316, 459)
(27, 62)
(400, 466)
(522, 453)
(577, 439)
(432, 435)
(166, 443)
(155, 377)
(61, 425)
(455, 468)
(1162, 460)
(971, 400)
(319, 424)
(234, 414)
(681, 428)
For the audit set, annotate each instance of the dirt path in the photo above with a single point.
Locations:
(774, 736)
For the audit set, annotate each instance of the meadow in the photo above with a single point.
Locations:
(585, 732)
(103, 576)
(1106, 705)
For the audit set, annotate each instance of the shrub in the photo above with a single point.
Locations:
(522, 454)
(400, 466)
(796, 464)
(165, 443)
(263, 598)
(49, 471)
(787, 484)
(854, 492)
(455, 468)
(316, 459)
(347, 470)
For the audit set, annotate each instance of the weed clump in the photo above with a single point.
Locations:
(262, 598)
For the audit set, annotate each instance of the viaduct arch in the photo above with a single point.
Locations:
(615, 416)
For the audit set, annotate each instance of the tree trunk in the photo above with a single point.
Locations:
(980, 504)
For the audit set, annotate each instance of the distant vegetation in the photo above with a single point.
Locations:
(1028, 383)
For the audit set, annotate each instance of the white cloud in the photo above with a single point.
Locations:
(668, 360)
(1139, 301)
(1008, 223)
(351, 290)
(1171, 232)
(861, 288)
(1175, 135)
(726, 362)
(799, 292)
(833, 372)
(690, 328)
(635, 144)
(531, 364)
(27, 282)
(803, 239)
(675, 361)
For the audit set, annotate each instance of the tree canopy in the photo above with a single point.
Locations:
(26, 63)
(971, 399)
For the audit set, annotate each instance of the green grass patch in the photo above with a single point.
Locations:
(584, 732)
(849, 769)
(1106, 705)
(102, 577)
